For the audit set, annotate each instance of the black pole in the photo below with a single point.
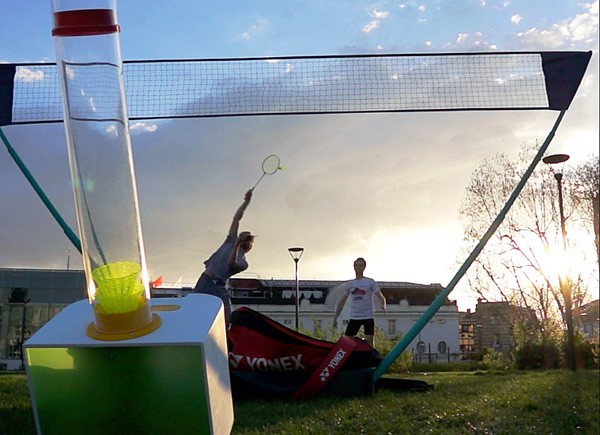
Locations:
(297, 295)
(561, 209)
(565, 284)
(296, 253)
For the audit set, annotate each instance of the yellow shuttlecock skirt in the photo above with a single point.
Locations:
(121, 309)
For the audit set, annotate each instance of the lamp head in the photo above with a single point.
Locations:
(296, 252)
(555, 158)
(556, 161)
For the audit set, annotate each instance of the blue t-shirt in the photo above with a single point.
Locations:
(218, 263)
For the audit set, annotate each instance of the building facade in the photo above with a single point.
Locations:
(30, 297)
(490, 326)
(587, 319)
(406, 302)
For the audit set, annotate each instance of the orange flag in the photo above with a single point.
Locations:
(157, 282)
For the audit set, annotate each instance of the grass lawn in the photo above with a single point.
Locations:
(544, 402)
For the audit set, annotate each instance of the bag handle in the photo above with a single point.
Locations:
(323, 374)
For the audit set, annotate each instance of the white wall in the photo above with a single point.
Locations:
(444, 326)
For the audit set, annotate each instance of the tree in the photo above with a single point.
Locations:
(586, 197)
(522, 262)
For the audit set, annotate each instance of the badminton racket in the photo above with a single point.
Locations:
(270, 165)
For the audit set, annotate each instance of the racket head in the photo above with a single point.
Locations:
(271, 164)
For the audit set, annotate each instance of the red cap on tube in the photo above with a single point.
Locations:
(84, 22)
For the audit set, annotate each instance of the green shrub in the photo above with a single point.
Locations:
(493, 360)
(586, 352)
(404, 361)
(538, 355)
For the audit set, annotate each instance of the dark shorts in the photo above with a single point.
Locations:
(354, 326)
(215, 287)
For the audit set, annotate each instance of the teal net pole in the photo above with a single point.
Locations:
(69, 233)
(441, 298)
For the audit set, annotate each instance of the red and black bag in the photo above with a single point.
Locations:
(271, 360)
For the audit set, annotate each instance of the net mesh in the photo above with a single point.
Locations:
(295, 85)
(100, 101)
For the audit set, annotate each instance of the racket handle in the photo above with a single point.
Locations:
(261, 177)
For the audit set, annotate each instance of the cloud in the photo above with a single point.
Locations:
(377, 16)
(353, 184)
(369, 27)
(257, 28)
(380, 15)
(380, 185)
(516, 19)
(578, 32)
(140, 127)
(470, 42)
(28, 75)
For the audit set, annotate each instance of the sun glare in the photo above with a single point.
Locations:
(555, 264)
(413, 255)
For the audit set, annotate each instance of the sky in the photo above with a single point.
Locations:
(387, 187)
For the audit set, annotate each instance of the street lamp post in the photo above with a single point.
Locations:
(558, 161)
(296, 253)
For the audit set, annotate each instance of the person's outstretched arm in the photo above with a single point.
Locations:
(237, 217)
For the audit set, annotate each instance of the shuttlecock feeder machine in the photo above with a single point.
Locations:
(116, 361)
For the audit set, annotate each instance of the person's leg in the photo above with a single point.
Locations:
(352, 328)
(369, 326)
(210, 286)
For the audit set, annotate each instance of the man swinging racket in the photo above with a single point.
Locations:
(227, 260)
(230, 257)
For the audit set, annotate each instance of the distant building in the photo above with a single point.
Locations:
(491, 326)
(28, 299)
(31, 297)
(406, 302)
(467, 323)
(587, 319)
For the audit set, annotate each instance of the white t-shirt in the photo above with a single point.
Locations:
(360, 293)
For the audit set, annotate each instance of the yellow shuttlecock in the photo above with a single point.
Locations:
(119, 288)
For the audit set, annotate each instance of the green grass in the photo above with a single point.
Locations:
(544, 402)
(16, 416)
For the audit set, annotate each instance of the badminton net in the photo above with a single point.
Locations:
(30, 93)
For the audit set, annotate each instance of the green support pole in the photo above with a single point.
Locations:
(69, 233)
(439, 301)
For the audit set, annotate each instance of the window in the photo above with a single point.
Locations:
(496, 343)
(392, 327)
(466, 328)
(442, 347)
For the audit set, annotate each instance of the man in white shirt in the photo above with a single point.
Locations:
(361, 291)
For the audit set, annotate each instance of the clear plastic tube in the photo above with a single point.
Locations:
(86, 36)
